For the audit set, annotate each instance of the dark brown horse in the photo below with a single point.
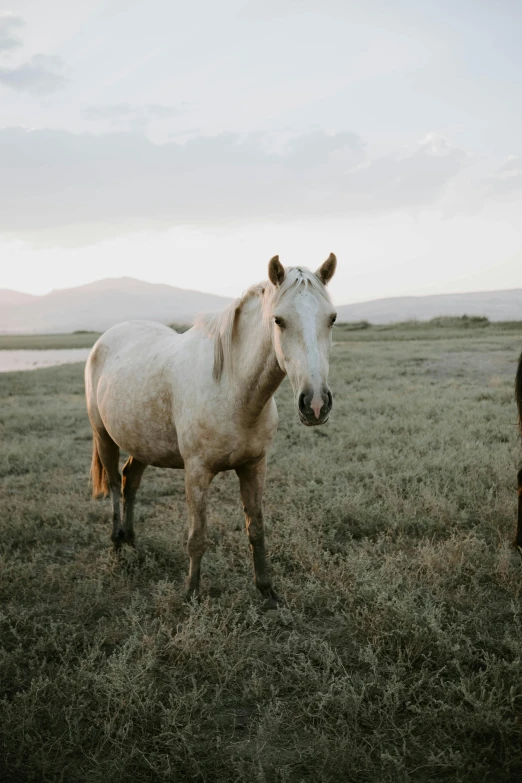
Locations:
(518, 392)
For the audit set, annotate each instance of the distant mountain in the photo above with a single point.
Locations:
(98, 306)
(9, 297)
(496, 305)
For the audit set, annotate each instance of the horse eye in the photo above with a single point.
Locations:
(279, 322)
(333, 319)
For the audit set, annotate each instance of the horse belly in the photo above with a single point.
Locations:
(139, 418)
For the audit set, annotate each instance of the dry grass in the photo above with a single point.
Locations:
(398, 654)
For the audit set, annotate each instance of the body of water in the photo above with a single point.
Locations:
(11, 361)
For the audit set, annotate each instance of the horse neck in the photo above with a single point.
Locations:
(256, 370)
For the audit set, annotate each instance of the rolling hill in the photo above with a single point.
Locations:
(10, 297)
(98, 306)
(496, 305)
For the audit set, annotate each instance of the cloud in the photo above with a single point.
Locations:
(117, 111)
(157, 110)
(41, 75)
(9, 23)
(61, 187)
(508, 178)
(123, 114)
(412, 180)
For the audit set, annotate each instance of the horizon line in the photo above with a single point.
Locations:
(231, 298)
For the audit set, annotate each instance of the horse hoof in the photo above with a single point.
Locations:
(272, 600)
(128, 538)
(118, 538)
(122, 537)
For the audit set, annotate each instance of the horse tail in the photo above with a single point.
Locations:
(99, 479)
(518, 393)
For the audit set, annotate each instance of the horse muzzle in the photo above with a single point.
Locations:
(314, 409)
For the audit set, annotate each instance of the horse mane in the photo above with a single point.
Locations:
(221, 326)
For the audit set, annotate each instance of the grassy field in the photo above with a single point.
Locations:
(35, 342)
(47, 341)
(397, 656)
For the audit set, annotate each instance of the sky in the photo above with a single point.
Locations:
(188, 143)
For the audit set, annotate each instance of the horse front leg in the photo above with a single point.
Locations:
(197, 482)
(251, 484)
(518, 537)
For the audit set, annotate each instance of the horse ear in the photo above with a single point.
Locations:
(327, 270)
(276, 271)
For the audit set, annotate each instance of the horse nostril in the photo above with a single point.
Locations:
(301, 402)
(330, 398)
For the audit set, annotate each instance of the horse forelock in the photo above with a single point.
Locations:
(221, 326)
(295, 278)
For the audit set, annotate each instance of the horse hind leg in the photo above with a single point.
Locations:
(197, 482)
(132, 473)
(109, 455)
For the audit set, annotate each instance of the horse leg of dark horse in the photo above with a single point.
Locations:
(109, 455)
(251, 484)
(132, 473)
(518, 536)
(197, 482)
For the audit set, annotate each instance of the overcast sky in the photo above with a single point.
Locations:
(187, 143)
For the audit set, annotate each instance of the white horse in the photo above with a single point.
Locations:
(204, 400)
